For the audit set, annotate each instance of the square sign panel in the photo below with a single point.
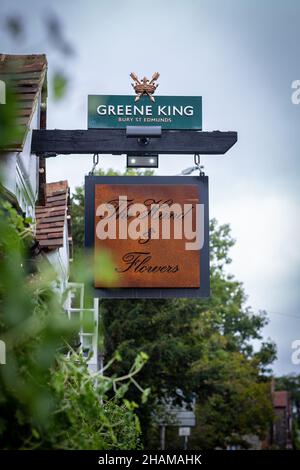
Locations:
(155, 233)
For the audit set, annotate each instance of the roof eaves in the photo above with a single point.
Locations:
(25, 76)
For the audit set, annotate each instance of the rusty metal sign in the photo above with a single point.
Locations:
(155, 231)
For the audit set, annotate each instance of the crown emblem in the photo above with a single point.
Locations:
(144, 86)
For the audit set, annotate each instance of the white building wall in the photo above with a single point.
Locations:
(8, 162)
(20, 171)
(19, 174)
(59, 259)
(29, 162)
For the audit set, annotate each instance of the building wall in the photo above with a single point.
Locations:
(20, 172)
(29, 162)
(8, 163)
(280, 428)
(59, 259)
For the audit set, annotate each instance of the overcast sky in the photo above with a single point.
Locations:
(241, 56)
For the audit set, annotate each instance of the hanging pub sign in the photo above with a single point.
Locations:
(154, 231)
(143, 109)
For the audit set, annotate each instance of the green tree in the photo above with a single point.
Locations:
(201, 347)
(196, 347)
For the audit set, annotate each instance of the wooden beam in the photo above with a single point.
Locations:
(114, 141)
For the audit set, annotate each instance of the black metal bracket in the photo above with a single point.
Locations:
(47, 154)
(143, 133)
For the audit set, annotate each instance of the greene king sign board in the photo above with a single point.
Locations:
(120, 111)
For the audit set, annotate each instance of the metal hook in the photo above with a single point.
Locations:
(197, 161)
(95, 163)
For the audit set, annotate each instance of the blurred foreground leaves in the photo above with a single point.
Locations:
(49, 399)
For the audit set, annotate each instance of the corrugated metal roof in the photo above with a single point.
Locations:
(24, 76)
(51, 218)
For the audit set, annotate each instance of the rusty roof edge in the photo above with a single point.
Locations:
(41, 87)
(4, 57)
